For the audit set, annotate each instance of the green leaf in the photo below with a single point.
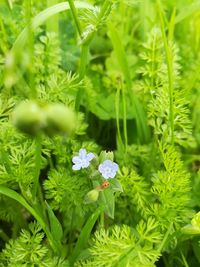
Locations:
(43, 16)
(116, 185)
(10, 3)
(85, 234)
(140, 116)
(107, 198)
(196, 249)
(102, 106)
(196, 220)
(120, 54)
(55, 226)
(16, 196)
(104, 155)
(191, 230)
(187, 11)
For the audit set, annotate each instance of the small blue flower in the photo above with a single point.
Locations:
(108, 169)
(82, 160)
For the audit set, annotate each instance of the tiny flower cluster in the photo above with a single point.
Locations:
(107, 168)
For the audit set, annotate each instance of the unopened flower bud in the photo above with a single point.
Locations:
(106, 155)
(28, 117)
(59, 119)
(91, 196)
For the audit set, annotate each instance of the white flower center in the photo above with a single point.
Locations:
(107, 169)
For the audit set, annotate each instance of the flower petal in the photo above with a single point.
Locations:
(82, 153)
(105, 175)
(76, 167)
(115, 166)
(90, 156)
(112, 174)
(76, 160)
(101, 168)
(85, 164)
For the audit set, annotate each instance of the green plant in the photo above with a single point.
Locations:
(99, 139)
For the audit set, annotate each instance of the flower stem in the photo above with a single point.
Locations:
(169, 59)
(165, 237)
(83, 61)
(82, 70)
(4, 236)
(102, 217)
(38, 149)
(75, 16)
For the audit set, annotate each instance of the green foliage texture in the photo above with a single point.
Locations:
(130, 72)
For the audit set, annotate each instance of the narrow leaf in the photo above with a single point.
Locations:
(191, 230)
(16, 196)
(10, 3)
(188, 11)
(116, 185)
(107, 198)
(55, 226)
(43, 16)
(141, 120)
(85, 234)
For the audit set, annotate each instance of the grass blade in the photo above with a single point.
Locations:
(140, 115)
(14, 195)
(85, 234)
(188, 11)
(55, 226)
(43, 16)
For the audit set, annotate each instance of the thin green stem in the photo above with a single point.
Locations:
(104, 8)
(83, 61)
(140, 116)
(70, 239)
(169, 58)
(124, 117)
(38, 151)
(85, 44)
(117, 117)
(82, 70)
(52, 24)
(184, 259)
(172, 24)
(153, 63)
(42, 205)
(75, 16)
(28, 11)
(51, 164)
(165, 237)
(5, 158)
(164, 260)
(4, 236)
(10, 4)
(3, 44)
(102, 218)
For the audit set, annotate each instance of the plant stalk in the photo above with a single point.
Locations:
(38, 151)
(169, 58)
(75, 16)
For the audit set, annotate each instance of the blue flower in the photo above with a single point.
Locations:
(82, 160)
(108, 169)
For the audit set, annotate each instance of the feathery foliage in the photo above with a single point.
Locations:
(79, 79)
(126, 246)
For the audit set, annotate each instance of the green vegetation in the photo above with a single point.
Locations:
(99, 133)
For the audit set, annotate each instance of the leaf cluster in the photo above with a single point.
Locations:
(126, 246)
(29, 249)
